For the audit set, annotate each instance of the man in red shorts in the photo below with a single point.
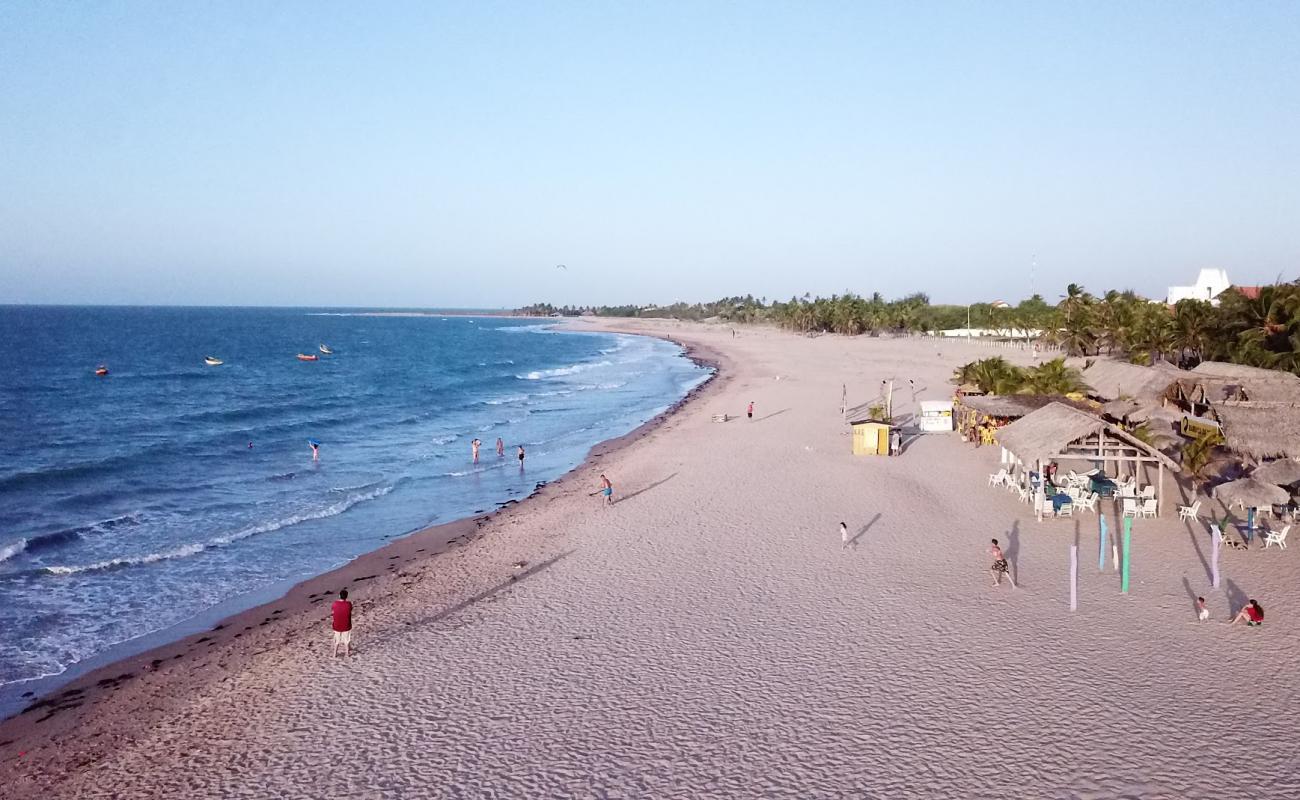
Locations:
(342, 613)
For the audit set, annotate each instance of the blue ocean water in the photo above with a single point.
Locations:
(134, 501)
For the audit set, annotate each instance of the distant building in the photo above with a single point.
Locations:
(1209, 285)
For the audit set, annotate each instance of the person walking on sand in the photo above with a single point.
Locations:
(1000, 566)
(844, 536)
(750, 412)
(341, 612)
(501, 448)
(895, 442)
(606, 490)
(474, 446)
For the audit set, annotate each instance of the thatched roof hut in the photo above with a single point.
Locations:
(1260, 431)
(1059, 431)
(1111, 380)
(1283, 472)
(1015, 406)
(1251, 493)
(1217, 381)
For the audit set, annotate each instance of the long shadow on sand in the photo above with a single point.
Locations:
(487, 594)
(865, 528)
(769, 416)
(1237, 599)
(645, 489)
(1013, 551)
(1192, 524)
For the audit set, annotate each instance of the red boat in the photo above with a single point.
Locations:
(101, 370)
(306, 357)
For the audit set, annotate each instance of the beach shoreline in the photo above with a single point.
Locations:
(59, 703)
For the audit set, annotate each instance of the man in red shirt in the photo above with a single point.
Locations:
(342, 613)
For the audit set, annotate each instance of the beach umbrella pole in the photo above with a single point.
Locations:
(1101, 549)
(1217, 537)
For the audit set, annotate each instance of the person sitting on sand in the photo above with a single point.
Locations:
(1000, 566)
(607, 490)
(1253, 614)
(1202, 613)
(341, 612)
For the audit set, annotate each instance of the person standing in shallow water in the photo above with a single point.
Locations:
(521, 456)
(474, 446)
(1000, 566)
(501, 448)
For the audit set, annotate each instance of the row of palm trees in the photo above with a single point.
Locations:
(998, 376)
(1261, 330)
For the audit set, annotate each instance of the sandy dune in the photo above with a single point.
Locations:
(708, 636)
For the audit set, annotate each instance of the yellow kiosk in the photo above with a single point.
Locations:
(870, 437)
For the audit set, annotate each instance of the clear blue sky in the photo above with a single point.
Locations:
(451, 154)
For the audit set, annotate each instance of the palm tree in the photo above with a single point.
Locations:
(1053, 377)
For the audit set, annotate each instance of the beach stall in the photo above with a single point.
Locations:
(1058, 432)
(936, 416)
(870, 437)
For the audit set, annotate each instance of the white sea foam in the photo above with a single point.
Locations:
(447, 439)
(559, 372)
(195, 548)
(130, 561)
(10, 550)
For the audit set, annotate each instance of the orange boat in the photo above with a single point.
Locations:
(305, 357)
(101, 370)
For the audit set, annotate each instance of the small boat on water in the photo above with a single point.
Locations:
(324, 348)
(212, 361)
(101, 370)
(305, 357)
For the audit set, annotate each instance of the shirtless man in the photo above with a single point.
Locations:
(607, 490)
(474, 446)
(1000, 566)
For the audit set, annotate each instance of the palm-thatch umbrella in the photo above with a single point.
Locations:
(1283, 472)
(1251, 493)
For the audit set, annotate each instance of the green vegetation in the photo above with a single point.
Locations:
(1259, 332)
(998, 376)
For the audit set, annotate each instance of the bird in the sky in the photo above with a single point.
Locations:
(561, 266)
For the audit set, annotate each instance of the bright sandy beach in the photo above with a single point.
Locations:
(709, 636)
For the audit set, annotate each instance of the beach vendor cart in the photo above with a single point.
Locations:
(936, 416)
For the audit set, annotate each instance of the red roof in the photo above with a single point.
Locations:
(1251, 292)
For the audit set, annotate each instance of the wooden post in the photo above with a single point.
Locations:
(1101, 549)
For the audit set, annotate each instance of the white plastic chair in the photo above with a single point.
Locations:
(1087, 502)
(1067, 510)
(1046, 508)
(1149, 507)
(1130, 507)
(1024, 494)
(1276, 537)
(998, 478)
(1147, 492)
(1189, 512)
